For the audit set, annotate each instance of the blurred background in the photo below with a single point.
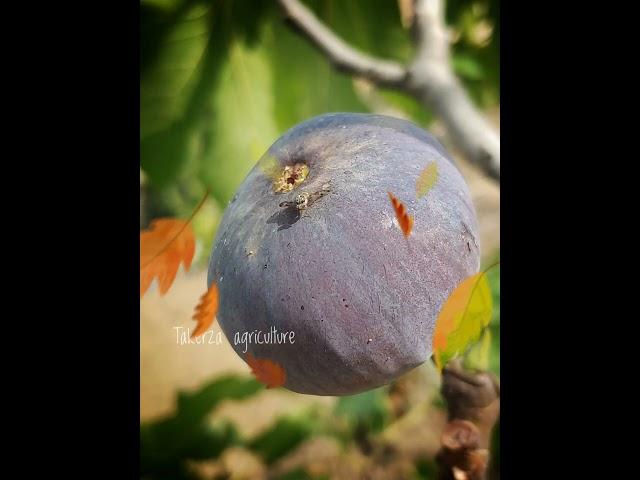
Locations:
(220, 81)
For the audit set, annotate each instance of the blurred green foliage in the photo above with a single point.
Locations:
(426, 469)
(366, 411)
(165, 444)
(286, 434)
(220, 80)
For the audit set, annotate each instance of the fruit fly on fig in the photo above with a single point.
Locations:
(305, 199)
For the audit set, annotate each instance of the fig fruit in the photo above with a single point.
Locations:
(310, 245)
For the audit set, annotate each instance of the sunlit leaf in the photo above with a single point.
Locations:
(242, 125)
(205, 94)
(427, 179)
(479, 355)
(167, 85)
(463, 317)
(303, 84)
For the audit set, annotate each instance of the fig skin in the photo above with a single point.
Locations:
(361, 299)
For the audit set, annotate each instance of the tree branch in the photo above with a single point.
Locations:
(473, 401)
(434, 82)
(343, 57)
(429, 78)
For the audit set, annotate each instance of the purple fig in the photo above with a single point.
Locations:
(310, 245)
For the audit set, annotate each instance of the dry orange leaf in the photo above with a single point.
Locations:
(267, 371)
(163, 247)
(206, 310)
(404, 219)
(167, 243)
